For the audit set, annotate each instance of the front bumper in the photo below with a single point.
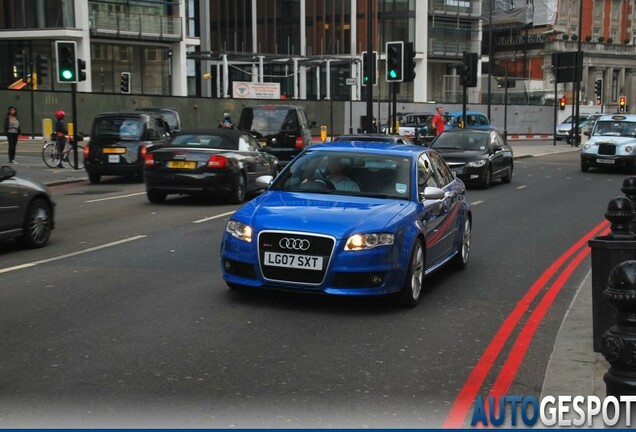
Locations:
(470, 175)
(376, 271)
(592, 160)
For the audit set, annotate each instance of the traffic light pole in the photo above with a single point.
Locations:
(75, 128)
(370, 67)
(395, 89)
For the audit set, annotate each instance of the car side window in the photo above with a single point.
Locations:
(425, 174)
(483, 121)
(471, 120)
(247, 144)
(444, 175)
(153, 134)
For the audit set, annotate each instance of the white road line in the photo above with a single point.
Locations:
(69, 255)
(522, 187)
(214, 217)
(476, 203)
(115, 197)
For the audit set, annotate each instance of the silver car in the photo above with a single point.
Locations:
(26, 209)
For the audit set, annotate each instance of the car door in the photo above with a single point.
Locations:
(500, 154)
(10, 200)
(433, 213)
(452, 201)
(251, 159)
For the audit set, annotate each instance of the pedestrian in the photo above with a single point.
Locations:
(60, 133)
(12, 130)
(438, 121)
(227, 122)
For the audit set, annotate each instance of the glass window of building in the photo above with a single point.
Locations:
(36, 14)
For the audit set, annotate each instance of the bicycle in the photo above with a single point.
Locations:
(53, 159)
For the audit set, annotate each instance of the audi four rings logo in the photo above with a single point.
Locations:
(293, 243)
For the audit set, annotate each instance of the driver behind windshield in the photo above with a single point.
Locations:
(337, 176)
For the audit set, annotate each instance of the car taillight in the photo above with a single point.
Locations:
(217, 162)
(149, 160)
(144, 151)
(299, 142)
(87, 152)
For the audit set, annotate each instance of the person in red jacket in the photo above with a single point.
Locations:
(438, 121)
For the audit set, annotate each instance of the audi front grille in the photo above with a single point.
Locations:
(606, 149)
(294, 243)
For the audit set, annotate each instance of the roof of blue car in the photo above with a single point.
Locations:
(370, 146)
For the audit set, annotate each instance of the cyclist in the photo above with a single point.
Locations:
(60, 133)
(227, 122)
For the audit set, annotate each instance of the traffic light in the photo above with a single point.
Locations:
(66, 61)
(365, 68)
(598, 91)
(409, 62)
(395, 61)
(19, 70)
(468, 74)
(125, 83)
(562, 103)
(81, 70)
(622, 104)
(43, 66)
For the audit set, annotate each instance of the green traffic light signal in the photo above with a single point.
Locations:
(67, 74)
(393, 74)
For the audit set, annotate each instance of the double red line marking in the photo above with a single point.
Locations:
(473, 384)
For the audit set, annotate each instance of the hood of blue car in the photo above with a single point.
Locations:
(337, 215)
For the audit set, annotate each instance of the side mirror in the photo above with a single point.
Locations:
(497, 148)
(6, 172)
(263, 182)
(432, 193)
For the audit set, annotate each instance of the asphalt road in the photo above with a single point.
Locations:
(124, 320)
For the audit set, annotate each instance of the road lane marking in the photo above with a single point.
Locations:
(115, 197)
(69, 255)
(476, 203)
(522, 187)
(214, 217)
(483, 367)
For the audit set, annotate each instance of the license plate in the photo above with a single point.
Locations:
(182, 164)
(115, 150)
(113, 158)
(306, 262)
(605, 161)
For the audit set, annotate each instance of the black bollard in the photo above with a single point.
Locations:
(619, 342)
(629, 189)
(608, 252)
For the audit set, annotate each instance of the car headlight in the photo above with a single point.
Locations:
(587, 147)
(368, 241)
(476, 164)
(628, 149)
(239, 230)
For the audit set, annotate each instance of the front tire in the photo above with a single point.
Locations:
(584, 167)
(412, 289)
(487, 179)
(37, 224)
(508, 177)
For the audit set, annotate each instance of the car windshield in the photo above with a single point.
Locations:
(268, 121)
(386, 139)
(615, 128)
(122, 128)
(204, 140)
(461, 141)
(341, 173)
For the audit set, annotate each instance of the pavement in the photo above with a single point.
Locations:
(574, 368)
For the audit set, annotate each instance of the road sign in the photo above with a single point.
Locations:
(351, 81)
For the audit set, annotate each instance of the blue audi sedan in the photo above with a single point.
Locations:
(351, 218)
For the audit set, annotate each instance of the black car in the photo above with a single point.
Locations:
(389, 139)
(119, 142)
(26, 209)
(207, 161)
(282, 129)
(476, 156)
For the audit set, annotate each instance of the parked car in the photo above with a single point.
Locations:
(207, 161)
(563, 129)
(389, 139)
(170, 114)
(474, 120)
(283, 129)
(584, 125)
(399, 215)
(26, 209)
(612, 143)
(476, 156)
(119, 142)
